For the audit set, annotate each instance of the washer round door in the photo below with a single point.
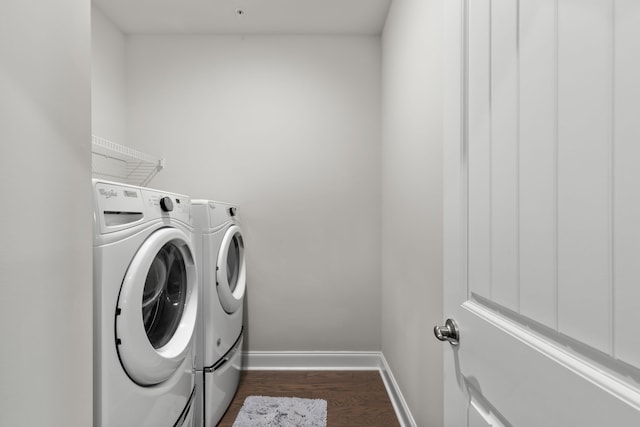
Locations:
(231, 272)
(157, 306)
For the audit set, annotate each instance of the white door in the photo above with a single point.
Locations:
(231, 270)
(542, 212)
(157, 306)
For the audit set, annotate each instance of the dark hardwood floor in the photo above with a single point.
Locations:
(354, 398)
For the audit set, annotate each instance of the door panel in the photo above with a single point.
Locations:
(482, 416)
(626, 180)
(532, 381)
(504, 152)
(542, 212)
(584, 170)
(479, 98)
(537, 162)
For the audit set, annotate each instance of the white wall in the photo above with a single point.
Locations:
(45, 256)
(288, 127)
(108, 82)
(412, 203)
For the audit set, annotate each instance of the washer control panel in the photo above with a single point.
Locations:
(120, 206)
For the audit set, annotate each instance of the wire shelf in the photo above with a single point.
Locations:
(116, 162)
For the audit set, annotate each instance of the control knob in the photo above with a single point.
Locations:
(166, 204)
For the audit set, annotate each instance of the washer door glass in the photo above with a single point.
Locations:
(164, 295)
(233, 262)
(231, 274)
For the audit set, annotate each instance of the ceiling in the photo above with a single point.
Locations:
(364, 17)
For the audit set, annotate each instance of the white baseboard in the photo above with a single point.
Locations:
(333, 361)
(311, 360)
(397, 399)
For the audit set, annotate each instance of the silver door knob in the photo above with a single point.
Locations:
(448, 332)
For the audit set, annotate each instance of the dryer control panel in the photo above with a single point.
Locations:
(211, 215)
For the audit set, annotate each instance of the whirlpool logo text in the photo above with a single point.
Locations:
(108, 194)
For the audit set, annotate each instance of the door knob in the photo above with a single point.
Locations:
(448, 332)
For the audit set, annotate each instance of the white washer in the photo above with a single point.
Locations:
(145, 307)
(219, 246)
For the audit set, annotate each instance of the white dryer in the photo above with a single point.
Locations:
(219, 246)
(145, 307)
